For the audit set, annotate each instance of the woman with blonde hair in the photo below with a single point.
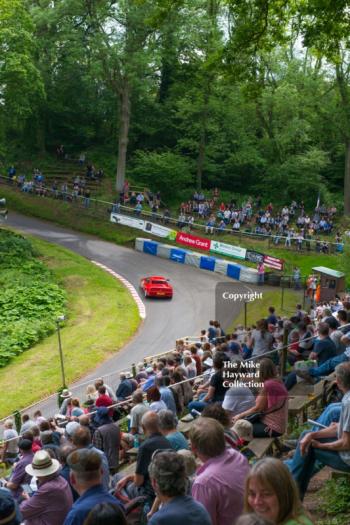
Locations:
(271, 493)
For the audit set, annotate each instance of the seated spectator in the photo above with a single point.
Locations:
(154, 400)
(64, 452)
(169, 480)
(76, 410)
(137, 412)
(272, 494)
(27, 423)
(167, 425)
(166, 393)
(82, 439)
(125, 388)
(9, 512)
(215, 411)
(106, 514)
(10, 447)
(66, 395)
(272, 400)
(329, 446)
(53, 499)
(215, 486)
(103, 399)
(238, 399)
(139, 484)
(217, 390)
(86, 478)
(19, 475)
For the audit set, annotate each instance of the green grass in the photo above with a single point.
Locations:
(102, 316)
(259, 308)
(93, 222)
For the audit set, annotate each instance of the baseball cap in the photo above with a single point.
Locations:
(71, 427)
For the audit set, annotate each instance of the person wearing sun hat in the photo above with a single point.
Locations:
(65, 395)
(52, 501)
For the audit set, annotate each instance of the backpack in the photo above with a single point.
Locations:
(331, 392)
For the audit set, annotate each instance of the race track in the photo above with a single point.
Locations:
(189, 311)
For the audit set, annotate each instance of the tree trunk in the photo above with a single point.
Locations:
(347, 178)
(201, 157)
(124, 123)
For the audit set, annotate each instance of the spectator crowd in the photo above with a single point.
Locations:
(68, 469)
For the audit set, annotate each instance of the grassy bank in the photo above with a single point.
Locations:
(102, 316)
(95, 222)
(259, 308)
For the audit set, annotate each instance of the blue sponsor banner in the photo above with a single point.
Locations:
(207, 263)
(150, 247)
(177, 255)
(233, 271)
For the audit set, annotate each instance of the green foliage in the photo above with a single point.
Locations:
(30, 299)
(166, 170)
(335, 496)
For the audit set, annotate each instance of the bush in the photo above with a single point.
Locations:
(166, 172)
(30, 300)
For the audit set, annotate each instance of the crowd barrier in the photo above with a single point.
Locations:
(203, 262)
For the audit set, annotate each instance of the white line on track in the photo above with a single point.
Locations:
(128, 285)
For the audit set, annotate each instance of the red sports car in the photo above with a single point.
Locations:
(156, 286)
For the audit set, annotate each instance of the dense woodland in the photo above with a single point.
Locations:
(251, 96)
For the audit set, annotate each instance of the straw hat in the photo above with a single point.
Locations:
(42, 465)
(65, 393)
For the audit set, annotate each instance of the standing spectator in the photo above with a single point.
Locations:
(261, 273)
(27, 423)
(107, 438)
(10, 447)
(296, 278)
(219, 483)
(51, 502)
(260, 340)
(85, 477)
(168, 477)
(66, 395)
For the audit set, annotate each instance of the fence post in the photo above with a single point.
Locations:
(245, 315)
(284, 353)
(282, 296)
(133, 369)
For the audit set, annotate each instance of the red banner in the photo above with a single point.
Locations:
(273, 262)
(192, 240)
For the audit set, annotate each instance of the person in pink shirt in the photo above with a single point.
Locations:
(219, 482)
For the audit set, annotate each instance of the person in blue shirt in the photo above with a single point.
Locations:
(166, 393)
(167, 425)
(169, 480)
(86, 476)
(125, 388)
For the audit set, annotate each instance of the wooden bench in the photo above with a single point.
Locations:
(262, 446)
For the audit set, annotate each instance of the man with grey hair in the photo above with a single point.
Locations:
(167, 425)
(169, 481)
(329, 446)
(137, 412)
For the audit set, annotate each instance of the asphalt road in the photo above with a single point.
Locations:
(189, 311)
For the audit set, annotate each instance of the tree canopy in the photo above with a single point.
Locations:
(249, 96)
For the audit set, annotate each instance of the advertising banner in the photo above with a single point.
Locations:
(273, 262)
(132, 222)
(159, 231)
(228, 250)
(192, 240)
(254, 257)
